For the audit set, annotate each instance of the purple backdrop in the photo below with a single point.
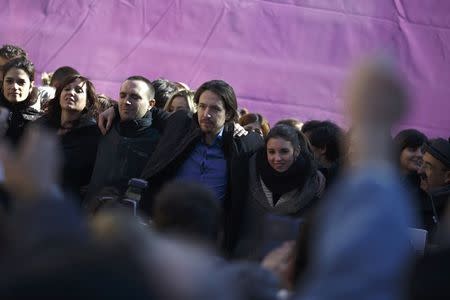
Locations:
(285, 58)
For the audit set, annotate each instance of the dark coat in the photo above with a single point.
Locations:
(20, 114)
(79, 147)
(180, 136)
(434, 206)
(258, 223)
(122, 154)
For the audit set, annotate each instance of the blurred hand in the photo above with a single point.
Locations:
(105, 120)
(32, 171)
(281, 262)
(4, 114)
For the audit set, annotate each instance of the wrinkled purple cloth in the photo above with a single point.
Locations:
(285, 58)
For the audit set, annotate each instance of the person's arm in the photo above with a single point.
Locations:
(106, 118)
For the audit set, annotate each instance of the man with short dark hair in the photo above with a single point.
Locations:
(124, 151)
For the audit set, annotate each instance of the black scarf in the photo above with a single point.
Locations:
(135, 128)
(281, 183)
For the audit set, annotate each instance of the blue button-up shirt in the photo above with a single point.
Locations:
(207, 165)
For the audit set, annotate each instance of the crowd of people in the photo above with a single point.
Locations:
(173, 193)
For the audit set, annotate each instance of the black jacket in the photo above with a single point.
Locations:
(122, 154)
(20, 114)
(182, 132)
(434, 206)
(79, 147)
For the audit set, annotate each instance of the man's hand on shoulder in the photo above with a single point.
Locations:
(239, 130)
(105, 120)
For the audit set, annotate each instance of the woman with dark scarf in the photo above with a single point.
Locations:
(283, 181)
(19, 97)
(70, 115)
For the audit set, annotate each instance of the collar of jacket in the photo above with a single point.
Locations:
(440, 191)
(191, 135)
(133, 128)
(22, 106)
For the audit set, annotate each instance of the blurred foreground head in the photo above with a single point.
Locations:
(375, 99)
(375, 94)
(187, 209)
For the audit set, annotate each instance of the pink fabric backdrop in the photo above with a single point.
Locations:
(285, 58)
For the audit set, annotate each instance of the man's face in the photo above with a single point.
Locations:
(433, 173)
(134, 100)
(211, 113)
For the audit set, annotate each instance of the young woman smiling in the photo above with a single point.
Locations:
(283, 180)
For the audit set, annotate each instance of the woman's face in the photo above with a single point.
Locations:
(178, 103)
(16, 85)
(73, 96)
(411, 159)
(280, 154)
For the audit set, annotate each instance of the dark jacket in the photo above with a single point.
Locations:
(181, 134)
(434, 206)
(20, 114)
(259, 210)
(123, 153)
(79, 147)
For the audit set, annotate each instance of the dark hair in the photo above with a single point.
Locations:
(61, 74)
(310, 125)
(151, 88)
(325, 134)
(255, 118)
(20, 63)
(409, 138)
(164, 89)
(12, 51)
(294, 136)
(54, 106)
(290, 122)
(225, 92)
(27, 66)
(187, 208)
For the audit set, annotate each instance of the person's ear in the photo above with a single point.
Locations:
(31, 84)
(447, 177)
(227, 116)
(296, 152)
(152, 103)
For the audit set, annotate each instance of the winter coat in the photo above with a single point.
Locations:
(20, 114)
(122, 154)
(181, 134)
(79, 146)
(259, 206)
